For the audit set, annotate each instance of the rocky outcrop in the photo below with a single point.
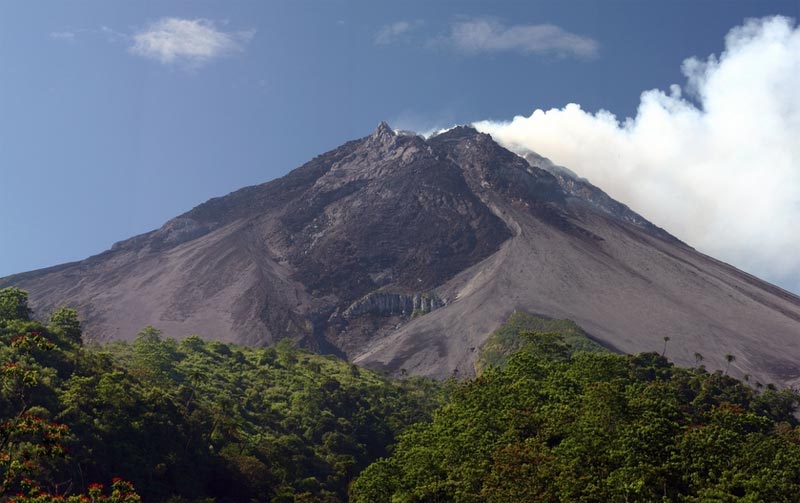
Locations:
(177, 231)
(390, 304)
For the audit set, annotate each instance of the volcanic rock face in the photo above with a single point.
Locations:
(405, 253)
(393, 213)
(582, 189)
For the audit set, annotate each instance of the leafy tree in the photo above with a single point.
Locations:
(32, 447)
(122, 491)
(65, 320)
(153, 355)
(14, 304)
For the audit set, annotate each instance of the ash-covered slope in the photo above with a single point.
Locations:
(385, 215)
(583, 189)
(405, 253)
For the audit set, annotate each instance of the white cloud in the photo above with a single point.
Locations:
(391, 33)
(723, 176)
(482, 35)
(192, 42)
(63, 35)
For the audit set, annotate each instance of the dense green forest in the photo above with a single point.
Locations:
(553, 425)
(551, 417)
(189, 420)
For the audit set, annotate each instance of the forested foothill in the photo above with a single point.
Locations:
(553, 425)
(185, 421)
(552, 416)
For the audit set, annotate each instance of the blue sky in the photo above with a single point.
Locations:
(116, 116)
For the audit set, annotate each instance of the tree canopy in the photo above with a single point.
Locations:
(548, 419)
(593, 427)
(188, 420)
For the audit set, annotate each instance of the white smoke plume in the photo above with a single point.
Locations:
(722, 174)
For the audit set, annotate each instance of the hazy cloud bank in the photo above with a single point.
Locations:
(723, 175)
(482, 35)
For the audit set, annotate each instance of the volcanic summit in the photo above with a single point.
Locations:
(401, 252)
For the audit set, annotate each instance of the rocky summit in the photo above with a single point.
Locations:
(404, 253)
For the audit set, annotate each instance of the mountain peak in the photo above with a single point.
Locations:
(383, 129)
(406, 253)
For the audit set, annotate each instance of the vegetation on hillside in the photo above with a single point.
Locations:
(506, 340)
(189, 420)
(206, 421)
(552, 426)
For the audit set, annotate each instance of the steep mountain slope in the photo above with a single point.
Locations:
(582, 189)
(405, 253)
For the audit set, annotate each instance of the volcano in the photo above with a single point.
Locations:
(404, 253)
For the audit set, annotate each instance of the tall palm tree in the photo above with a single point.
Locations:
(666, 340)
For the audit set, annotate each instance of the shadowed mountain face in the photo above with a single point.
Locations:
(405, 253)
